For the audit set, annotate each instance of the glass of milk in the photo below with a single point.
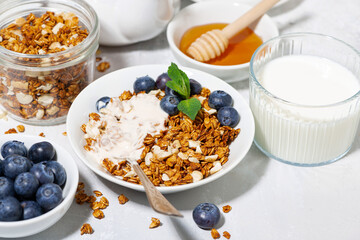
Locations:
(304, 95)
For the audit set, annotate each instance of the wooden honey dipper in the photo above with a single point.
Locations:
(213, 43)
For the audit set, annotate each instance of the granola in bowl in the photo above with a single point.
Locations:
(183, 154)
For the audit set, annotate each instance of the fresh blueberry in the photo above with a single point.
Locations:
(161, 81)
(169, 104)
(58, 171)
(228, 116)
(42, 173)
(170, 92)
(206, 215)
(195, 87)
(41, 151)
(13, 147)
(102, 102)
(145, 83)
(6, 187)
(31, 209)
(219, 99)
(26, 185)
(49, 196)
(10, 209)
(14, 165)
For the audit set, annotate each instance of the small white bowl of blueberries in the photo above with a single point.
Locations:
(38, 181)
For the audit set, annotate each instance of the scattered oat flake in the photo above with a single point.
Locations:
(122, 199)
(215, 234)
(11, 130)
(98, 59)
(97, 193)
(42, 134)
(154, 223)
(86, 229)
(20, 128)
(80, 186)
(226, 208)
(64, 133)
(226, 235)
(103, 66)
(98, 214)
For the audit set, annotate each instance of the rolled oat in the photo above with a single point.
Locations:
(86, 229)
(11, 131)
(154, 223)
(20, 128)
(226, 235)
(226, 208)
(122, 199)
(215, 234)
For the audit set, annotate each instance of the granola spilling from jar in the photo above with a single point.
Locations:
(186, 145)
(44, 91)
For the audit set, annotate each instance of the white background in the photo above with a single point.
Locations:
(270, 200)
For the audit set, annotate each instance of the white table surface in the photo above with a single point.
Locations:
(270, 200)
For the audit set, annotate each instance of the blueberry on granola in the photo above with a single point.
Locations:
(195, 87)
(228, 116)
(102, 102)
(219, 99)
(145, 83)
(169, 104)
(161, 80)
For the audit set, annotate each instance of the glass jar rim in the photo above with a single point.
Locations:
(298, 34)
(78, 49)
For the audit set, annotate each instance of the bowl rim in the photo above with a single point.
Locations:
(168, 189)
(66, 200)
(170, 30)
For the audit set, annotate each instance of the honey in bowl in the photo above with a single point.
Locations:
(240, 49)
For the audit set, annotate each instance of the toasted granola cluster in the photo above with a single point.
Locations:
(48, 33)
(186, 152)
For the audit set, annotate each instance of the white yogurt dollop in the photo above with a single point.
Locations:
(127, 124)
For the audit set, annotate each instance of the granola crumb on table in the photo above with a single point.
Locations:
(122, 199)
(11, 131)
(226, 208)
(103, 66)
(215, 234)
(86, 229)
(155, 222)
(42, 134)
(226, 235)
(20, 128)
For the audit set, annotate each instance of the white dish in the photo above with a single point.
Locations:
(35, 225)
(113, 84)
(205, 12)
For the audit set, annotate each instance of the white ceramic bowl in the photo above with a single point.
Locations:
(35, 225)
(224, 11)
(113, 84)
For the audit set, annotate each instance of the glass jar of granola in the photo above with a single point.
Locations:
(47, 56)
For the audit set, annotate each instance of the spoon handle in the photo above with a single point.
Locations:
(250, 16)
(157, 201)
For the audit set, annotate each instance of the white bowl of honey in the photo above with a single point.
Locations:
(198, 18)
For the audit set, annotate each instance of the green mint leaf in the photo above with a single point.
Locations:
(190, 107)
(179, 81)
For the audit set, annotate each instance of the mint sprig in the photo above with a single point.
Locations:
(190, 107)
(180, 83)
